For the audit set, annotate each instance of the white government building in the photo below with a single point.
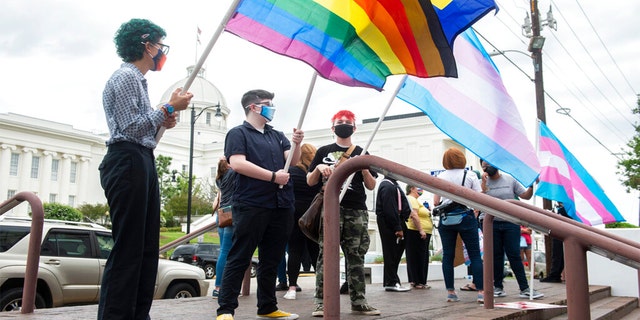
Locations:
(60, 163)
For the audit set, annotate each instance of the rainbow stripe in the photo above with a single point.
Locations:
(352, 42)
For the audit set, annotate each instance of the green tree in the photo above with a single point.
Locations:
(629, 165)
(58, 211)
(96, 212)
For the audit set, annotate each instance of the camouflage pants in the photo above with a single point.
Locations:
(354, 241)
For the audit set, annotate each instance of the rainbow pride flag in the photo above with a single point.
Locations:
(476, 110)
(564, 179)
(352, 42)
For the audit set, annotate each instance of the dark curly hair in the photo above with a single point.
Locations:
(133, 34)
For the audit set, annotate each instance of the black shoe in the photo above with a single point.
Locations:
(549, 279)
(344, 289)
(298, 289)
(282, 287)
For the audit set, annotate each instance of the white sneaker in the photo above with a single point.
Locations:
(397, 288)
(290, 295)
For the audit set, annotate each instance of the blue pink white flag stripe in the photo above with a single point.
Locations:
(564, 179)
(476, 111)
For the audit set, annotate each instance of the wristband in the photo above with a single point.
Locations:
(167, 109)
(273, 176)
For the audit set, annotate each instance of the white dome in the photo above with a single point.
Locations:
(204, 92)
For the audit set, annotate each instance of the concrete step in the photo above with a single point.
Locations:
(609, 308)
(633, 315)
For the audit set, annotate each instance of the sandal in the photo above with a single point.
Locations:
(468, 287)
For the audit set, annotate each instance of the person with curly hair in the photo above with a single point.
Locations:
(128, 173)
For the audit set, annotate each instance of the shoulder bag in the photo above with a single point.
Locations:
(311, 221)
(454, 212)
(224, 217)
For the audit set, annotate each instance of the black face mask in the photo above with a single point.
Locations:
(491, 171)
(343, 130)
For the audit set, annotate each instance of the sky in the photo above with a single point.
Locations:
(56, 55)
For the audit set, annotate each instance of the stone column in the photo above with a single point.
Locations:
(45, 176)
(64, 178)
(5, 163)
(24, 173)
(82, 179)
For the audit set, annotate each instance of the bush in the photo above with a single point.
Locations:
(58, 211)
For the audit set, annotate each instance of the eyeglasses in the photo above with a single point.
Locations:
(162, 47)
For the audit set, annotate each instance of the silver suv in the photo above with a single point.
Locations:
(72, 260)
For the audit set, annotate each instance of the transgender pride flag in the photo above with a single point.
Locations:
(564, 179)
(476, 111)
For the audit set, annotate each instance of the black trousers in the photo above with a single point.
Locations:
(299, 245)
(392, 251)
(557, 259)
(417, 257)
(130, 181)
(265, 229)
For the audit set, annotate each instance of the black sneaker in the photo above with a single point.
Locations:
(282, 287)
(549, 279)
(344, 289)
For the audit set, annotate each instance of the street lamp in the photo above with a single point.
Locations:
(195, 117)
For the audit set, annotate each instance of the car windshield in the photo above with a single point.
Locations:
(10, 235)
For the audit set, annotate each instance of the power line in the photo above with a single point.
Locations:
(606, 49)
(548, 95)
(595, 63)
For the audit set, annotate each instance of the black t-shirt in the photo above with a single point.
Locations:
(303, 193)
(355, 198)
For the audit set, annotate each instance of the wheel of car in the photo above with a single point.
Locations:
(209, 270)
(254, 270)
(11, 300)
(180, 290)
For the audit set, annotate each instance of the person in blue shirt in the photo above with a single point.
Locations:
(263, 204)
(128, 172)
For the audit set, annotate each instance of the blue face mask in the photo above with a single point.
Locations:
(267, 112)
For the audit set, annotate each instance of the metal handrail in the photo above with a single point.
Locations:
(577, 238)
(35, 239)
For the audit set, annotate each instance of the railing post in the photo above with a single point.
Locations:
(35, 240)
(487, 260)
(577, 280)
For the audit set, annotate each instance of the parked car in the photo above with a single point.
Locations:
(204, 255)
(540, 266)
(72, 260)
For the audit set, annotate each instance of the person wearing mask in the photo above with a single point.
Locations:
(454, 163)
(299, 244)
(354, 217)
(263, 204)
(225, 180)
(417, 238)
(506, 235)
(128, 171)
(392, 211)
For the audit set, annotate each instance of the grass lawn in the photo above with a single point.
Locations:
(168, 236)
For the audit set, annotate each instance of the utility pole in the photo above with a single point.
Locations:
(535, 47)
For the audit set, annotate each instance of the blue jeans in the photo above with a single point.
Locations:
(468, 230)
(506, 240)
(225, 234)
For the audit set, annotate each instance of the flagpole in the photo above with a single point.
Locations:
(375, 130)
(205, 54)
(303, 114)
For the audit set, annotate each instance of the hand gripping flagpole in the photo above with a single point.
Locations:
(303, 114)
(375, 130)
(205, 54)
